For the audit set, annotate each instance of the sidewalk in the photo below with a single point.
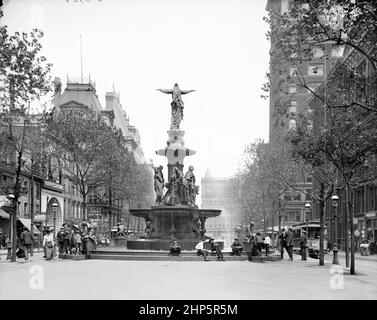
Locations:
(358, 256)
(4, 252)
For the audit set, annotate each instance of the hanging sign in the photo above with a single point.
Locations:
(355, 220)
(357, 233)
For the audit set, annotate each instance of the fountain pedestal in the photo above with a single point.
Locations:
(170, 222)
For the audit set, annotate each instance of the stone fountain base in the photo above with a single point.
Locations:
(168, 222)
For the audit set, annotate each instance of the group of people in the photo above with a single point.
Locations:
(175, 249)
(69, 241)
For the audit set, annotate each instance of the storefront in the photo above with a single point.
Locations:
(370, 231)
(4, 222)
(99, 219)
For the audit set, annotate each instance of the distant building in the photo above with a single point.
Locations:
(216, 194)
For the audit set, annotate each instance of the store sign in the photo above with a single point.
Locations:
(355, 220)
(47, 184)
(357, 233)
(370, 215)
(94, 213)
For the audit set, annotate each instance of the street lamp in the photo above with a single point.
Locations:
(335, 202)
(54, 209)
(307, 212)
(13, 229)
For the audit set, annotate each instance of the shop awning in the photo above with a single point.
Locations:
(4, 214)
(27, 224)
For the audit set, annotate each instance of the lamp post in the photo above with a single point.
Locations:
(307, 212)
(54, 209)
(335, 202)
(13, 229)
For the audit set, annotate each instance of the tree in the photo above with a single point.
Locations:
(87, 148)
(268, 174)
(24, 79)
(345, 143)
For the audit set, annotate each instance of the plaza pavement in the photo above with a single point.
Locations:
(175, 280)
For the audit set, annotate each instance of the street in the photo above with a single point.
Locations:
(161, 280)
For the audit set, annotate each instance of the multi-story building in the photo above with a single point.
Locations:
(79, 94)
(48, 183)
(364, 192)
(216, 194)
(291, 95)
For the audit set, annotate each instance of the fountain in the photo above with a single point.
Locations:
(175, 214)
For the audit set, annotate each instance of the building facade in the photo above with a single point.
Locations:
(291, 95)
(216, 194)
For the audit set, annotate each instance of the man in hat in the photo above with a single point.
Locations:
(67, 240)
(60, 237)
(27, 241)
(289, 243)
(175, 248)
(236, 247)
(267, 243)
(215, 247)
(282, 242)
(303, 244)
(200, 249)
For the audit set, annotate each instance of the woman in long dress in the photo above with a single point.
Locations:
(48, 244)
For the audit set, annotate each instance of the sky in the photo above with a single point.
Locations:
(216, 47)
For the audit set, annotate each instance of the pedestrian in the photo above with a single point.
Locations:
(26, 239)
(260, 243)
(200, 249)
(236, 247)
(282, 243)
(77, 242)
(303, 244)
(4, 240)
(48, 244)
(267, 243)
(60, 237)
(67, 241)
(289, 243)
(175, 248)
(215, 247)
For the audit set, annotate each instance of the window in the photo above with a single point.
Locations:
(292, 70)
(317, 52)
(315, 69)
(309, 179)
(292, 89)
(293, 108)
(25, 208)
(297, 197)
(337, 51)
(298, 216)
(292, 124)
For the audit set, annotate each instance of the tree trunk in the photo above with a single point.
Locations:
(279, 225)
(348, 207)
(352, 268)
(322, 225)
(84, 209)
(17, 193)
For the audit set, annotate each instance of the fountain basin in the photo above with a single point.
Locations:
(168, 222)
